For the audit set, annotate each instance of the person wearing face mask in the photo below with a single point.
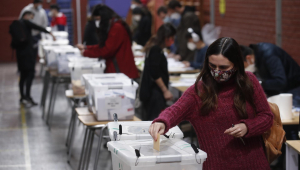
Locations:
(40, 19)
(155, 77)
(162, 13)
(129, 19)
(90, 36)
(114, 45)
(175, 7)
(195, 43)
(227, 108)
(143, 31)
(59, 20)
(25, 54)
(278, 71)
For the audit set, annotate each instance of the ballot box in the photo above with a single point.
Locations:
(174, 154)
(119, 130)
(59, 59)
(108, 94)
(80, 66)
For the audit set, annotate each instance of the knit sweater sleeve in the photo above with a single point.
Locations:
(264, 117)
(181, 110)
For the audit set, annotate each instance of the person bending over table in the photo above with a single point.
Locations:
(227, 108)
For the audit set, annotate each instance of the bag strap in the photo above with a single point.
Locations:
(116, 65)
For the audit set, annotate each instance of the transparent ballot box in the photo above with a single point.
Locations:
(108, 96)
(77, 69)
(57, 43)
(58, 59)
(174, 154)
(137, 130)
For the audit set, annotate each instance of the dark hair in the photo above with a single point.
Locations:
(138, 11)
(162, 9)
(107, 14)
(173, 4)
(37, 1)
(196, 31)
(27, 13)
(55, 6)
(246, 51)
(229, 48)
(167, 30)
(137, 1)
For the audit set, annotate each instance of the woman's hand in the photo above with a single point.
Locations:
(80, 47)
(81, 52)
(238, 131)
(168, 95)
(54, 38)
(157, 128)
(186, 63)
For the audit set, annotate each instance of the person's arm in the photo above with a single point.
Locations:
(264, 117)
(112, 44)
(277, 81)
(179, 111)
(36, 27)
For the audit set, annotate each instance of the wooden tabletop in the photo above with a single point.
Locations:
(88, 119)
(291, 122)
(175, 79)
(54, 73)
(69, 94)
(295, 144)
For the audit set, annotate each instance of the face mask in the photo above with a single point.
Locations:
(175, 15)
(97, 23)
(167, 20)
(137, 17)
(191, 46)
(132, 6)
(251, 68)
(39, 7)
(221, 76)
(50, 14)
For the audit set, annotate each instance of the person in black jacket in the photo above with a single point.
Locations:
(25, 57)
(143, 31)
(90, 36)
(277, 70)
(155, 77)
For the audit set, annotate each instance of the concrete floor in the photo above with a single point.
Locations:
(25, 141)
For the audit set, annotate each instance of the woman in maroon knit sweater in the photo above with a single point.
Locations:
(223, 96)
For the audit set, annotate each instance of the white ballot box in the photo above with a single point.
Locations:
(77, 69)
(174, 154)
(108, 94)
(137, 130)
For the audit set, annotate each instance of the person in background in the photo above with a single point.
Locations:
(227, 108)
(59, 20)
(190, 20)
(155, 79)
(114, 42)
(195, 43)
(25, 55)
(277, 70)
(90, 32)
(40, 19)
(162, 13)
(175, 7)
(143, 31)
(130, 21)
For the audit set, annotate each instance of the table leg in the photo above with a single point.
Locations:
(90, 149)
(83, 148)
(70, 125)
(86, 149)
(99, 147)
(46, 81)
(51, 97)
(72, 139)
(53, 104)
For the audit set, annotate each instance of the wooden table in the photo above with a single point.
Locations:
(91, 123)
(294, 121)
(292, 154)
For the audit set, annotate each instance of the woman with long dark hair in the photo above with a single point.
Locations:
(227, 108)
(115, 40)
(155, 79)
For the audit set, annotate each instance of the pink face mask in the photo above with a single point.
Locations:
(221, 76)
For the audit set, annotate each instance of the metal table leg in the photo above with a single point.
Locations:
(83, 148)
(92, 131)
(51, 97)
(46, 81)
(53, 104)
(73, 114)
(70, 145)
(86, 149)
(99, 147)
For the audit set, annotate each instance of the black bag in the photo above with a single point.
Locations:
(18, 35)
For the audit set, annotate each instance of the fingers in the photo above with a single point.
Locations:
(230, 130)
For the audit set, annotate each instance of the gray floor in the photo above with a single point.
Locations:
(25, 141)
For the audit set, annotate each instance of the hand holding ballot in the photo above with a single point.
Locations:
(157, 128)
